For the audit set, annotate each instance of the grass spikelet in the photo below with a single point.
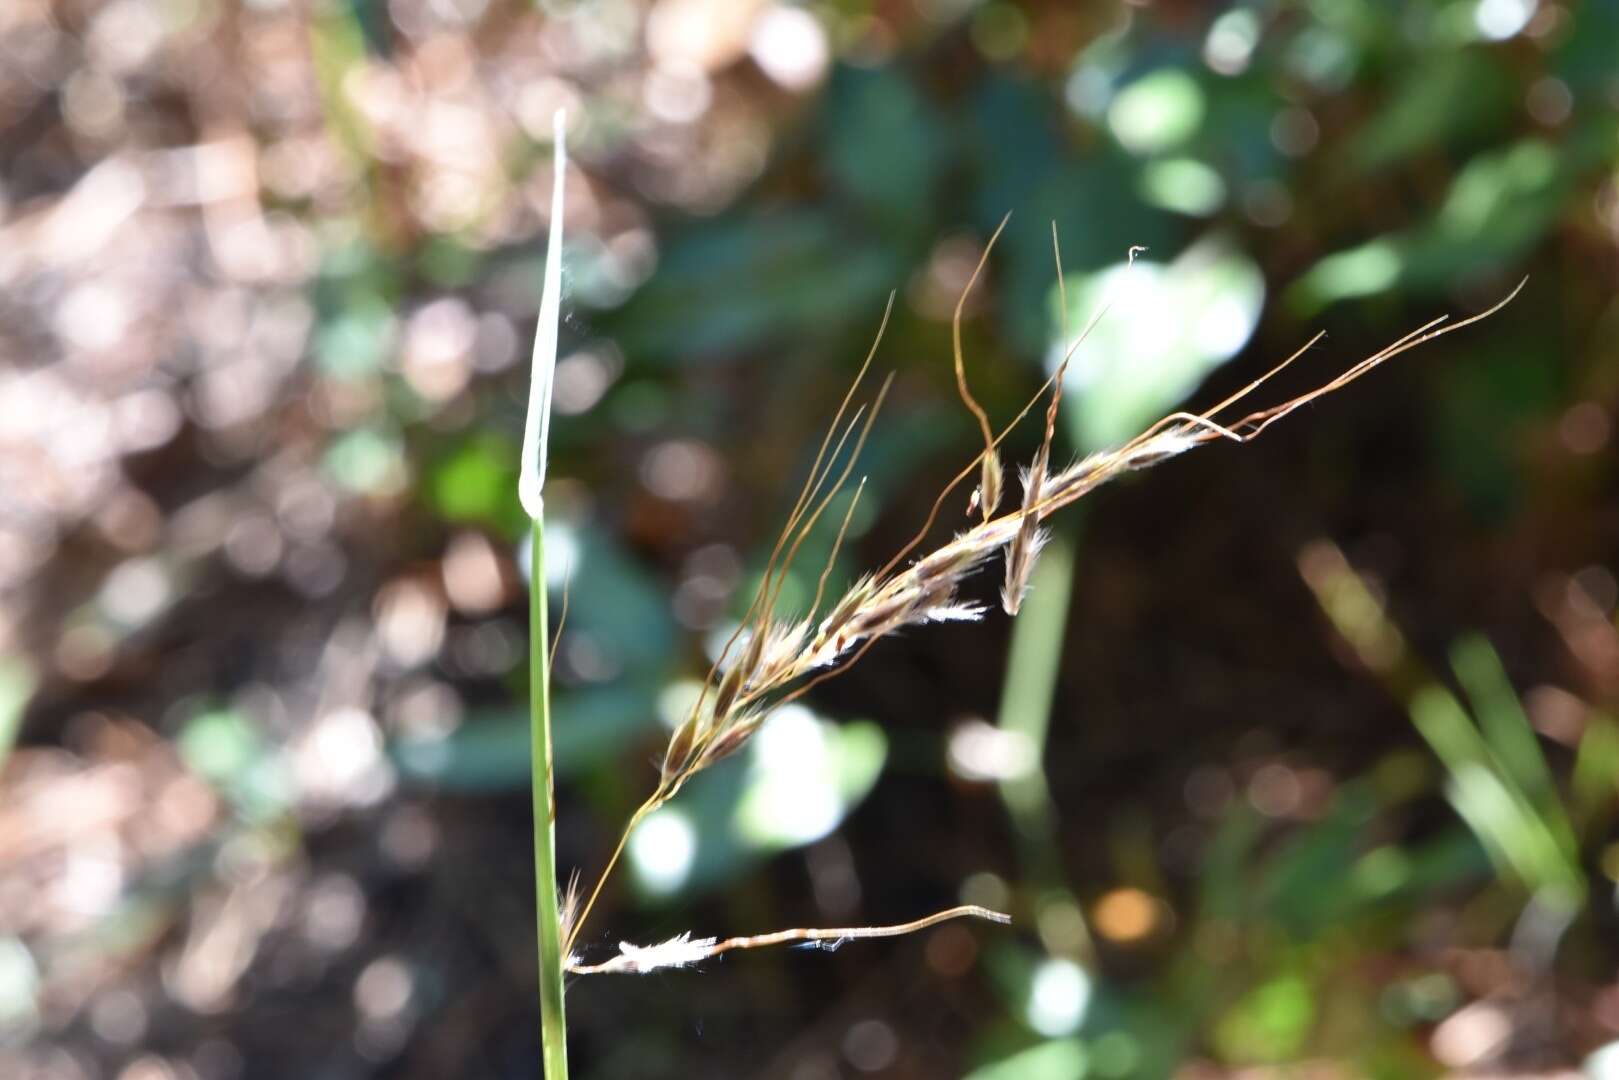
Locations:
(677, 756)
(1025, 548)
(568, 907)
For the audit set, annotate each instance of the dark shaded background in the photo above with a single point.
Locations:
(1329, 754)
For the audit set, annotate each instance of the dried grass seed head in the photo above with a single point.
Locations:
(924, 592)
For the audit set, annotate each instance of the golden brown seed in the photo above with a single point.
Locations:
(725, 696)
(730, 742)
(989, 483)
(679, 753)
(755, 650)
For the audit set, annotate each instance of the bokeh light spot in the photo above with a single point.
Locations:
(1059, 994)
(662, 850)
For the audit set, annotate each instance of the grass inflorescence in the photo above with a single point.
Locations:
(771, 660)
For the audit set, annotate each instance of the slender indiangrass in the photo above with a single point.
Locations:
(530, 487)
(770, 661)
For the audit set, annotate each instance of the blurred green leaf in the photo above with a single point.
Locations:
(617, 604)
(1157, 112)
(1184, 185)
(1168, 327)
(477, 483)
(356, 343)
(1325, 52)
(883, 146)
(366, 460)
(337, 46)
(1413, 870)
(1307, 883)
(1584, 55)
(751, 280)
(1492, 183)
(623, 619)
(1223, 880)
(1450, 98)
(226, 748)
(1498, 207)
(489, 751)
(1024, 168)
(1059, 1059)
(1485, 406)
(448, 263)
(1381, 872)
(355, 294)
(1426, 998)
(1268, 1024)
(219, 745)
(1363, 270)
(1012, 139)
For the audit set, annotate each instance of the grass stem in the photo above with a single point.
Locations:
(553, 1030)
(1033, 665)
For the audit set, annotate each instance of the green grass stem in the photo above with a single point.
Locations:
(553, 1030)
(1033, 664)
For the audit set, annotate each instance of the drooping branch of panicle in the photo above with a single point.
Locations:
(684, 950)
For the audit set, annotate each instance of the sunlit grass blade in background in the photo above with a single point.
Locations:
(1596, 774)
(1497, 778)
(1506, 728)
(1033, 666)
(17, 683)
(530, 487)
